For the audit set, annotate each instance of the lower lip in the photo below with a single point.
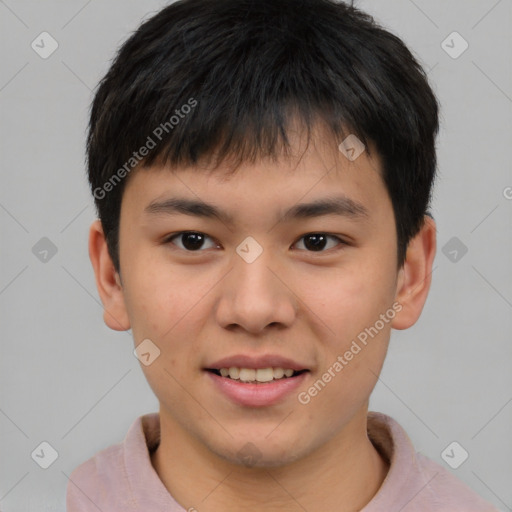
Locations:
(257, 395)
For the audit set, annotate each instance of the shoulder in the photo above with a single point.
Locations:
(414, 482)
(104, 481)
(447, 492)
(91, 481)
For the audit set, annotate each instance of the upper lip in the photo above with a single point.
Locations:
(256, 362)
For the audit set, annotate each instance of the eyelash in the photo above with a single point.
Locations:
(168, 240)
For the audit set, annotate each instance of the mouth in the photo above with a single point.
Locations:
(254, 393)
(256, 375)
(256, 381)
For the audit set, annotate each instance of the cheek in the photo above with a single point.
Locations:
(167, 305)
(348, 303)
(349, 373)
(345, 301)
(154, 301)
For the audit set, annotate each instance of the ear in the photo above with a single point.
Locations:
(414, 277)
(108, 280)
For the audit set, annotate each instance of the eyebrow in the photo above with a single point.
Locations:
(339, 205)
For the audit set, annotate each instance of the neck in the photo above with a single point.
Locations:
(342, 475)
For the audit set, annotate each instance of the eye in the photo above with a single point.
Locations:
(316, 242)
(191, 240)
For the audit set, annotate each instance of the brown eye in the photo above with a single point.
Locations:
(191, 241)
(317, 242)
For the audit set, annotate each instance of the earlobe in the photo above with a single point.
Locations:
(415, 276)
(108, 281)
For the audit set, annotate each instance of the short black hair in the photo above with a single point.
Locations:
(224, 77)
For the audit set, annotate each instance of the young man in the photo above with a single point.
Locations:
(262, 171)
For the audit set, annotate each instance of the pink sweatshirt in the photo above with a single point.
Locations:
(121, 478)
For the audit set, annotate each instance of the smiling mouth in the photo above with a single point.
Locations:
(256, 376)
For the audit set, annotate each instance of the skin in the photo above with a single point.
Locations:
(198, 306)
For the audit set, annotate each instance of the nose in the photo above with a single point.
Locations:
(255, 295)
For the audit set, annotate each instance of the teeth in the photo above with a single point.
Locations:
(246, 374)
(264, 374)
(278, 373)
(259, 375)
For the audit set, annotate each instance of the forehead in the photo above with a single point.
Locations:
(316, 173)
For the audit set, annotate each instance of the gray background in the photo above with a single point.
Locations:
(65, 378)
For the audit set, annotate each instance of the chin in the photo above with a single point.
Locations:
(259, 454)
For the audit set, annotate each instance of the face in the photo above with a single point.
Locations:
(266, 284)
